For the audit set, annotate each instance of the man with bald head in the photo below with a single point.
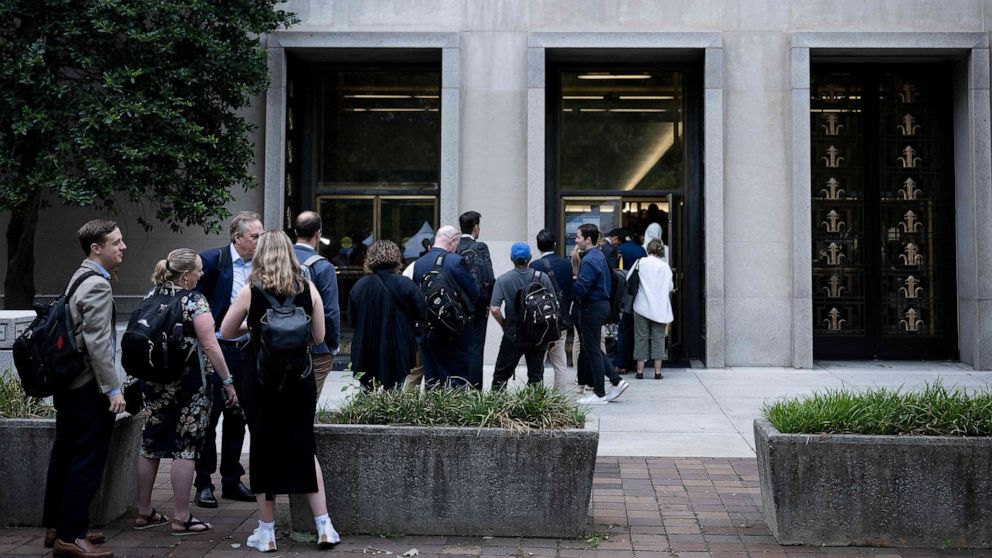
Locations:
(446, 355)
(308, 231)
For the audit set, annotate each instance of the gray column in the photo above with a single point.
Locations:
(450, 135)
(536, 125)
(713, 187)
(802, 237)
(275, 140)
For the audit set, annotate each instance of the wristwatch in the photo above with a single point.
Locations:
(228, 380)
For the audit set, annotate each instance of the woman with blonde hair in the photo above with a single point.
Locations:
(385, 308)
(652, 308)
(280, 415)
(178, 412)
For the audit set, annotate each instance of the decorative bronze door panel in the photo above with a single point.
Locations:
(882, 209)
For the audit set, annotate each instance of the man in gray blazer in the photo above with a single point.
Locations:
(85, 411)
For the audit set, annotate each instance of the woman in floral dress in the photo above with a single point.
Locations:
(178, 413)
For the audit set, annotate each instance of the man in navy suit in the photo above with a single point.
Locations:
(446, 356)
(560, 271)
(225, 272)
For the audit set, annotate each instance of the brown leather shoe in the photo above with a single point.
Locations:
(80, 548)
(93, 537)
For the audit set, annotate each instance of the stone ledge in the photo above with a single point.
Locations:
(851, 490)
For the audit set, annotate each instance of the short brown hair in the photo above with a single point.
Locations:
(655, 249)
(95, 232)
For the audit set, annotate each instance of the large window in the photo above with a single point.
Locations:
(380, 126)
(622, 130)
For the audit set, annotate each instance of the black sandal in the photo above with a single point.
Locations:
(188, 527)
(153, 519)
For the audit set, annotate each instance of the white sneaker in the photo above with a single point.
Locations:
(263, 540)
(593, 399)
(327, 537)
(616, 390)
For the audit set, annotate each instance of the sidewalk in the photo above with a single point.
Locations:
(701, 500)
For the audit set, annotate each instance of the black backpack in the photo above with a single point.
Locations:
(480, 271)
(618, 292)
(152, 344)
(45, 355)
(564, 318)
(284, 343)
(537, 313)
(445, 311)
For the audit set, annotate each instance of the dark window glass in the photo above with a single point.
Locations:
(380, 126)
(622, 130)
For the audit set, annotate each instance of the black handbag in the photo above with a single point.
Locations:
(134, 396)
(633, 284)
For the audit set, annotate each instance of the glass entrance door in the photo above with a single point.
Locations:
(635, 215)
(883, 213)
(353, 223)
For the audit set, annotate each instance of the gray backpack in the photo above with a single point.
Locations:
(307, 266)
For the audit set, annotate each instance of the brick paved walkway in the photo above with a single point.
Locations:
(641, 507)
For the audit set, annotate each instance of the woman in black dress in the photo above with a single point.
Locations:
(385, 309)
(178, 413)
(281, 458)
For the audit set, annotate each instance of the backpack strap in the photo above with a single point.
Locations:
(439, 262)
(313, 259)
(79, 281)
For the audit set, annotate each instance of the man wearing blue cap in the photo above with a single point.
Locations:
(505, 295)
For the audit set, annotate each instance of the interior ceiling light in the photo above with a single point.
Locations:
(376, 96)
(397, 109)
(582, 97)
(615, 76)
(647, 98)
(426, 97)
(592, 110)
(638, 110)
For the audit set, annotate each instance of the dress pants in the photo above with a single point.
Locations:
(446, 359)
(509, 356)
(591, 356)
(322, 365)
(83, 426)
(475, 353)
(233, 436)
(625, 341)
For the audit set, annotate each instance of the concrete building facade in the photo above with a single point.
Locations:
(735, 155)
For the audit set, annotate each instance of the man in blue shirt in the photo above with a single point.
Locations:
(592, 292)
(446, 355)
(560, 271)
(323, 275)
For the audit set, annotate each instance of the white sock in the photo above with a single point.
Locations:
(318, 518)
(266, 526)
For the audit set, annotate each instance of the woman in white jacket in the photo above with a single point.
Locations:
(652, 308)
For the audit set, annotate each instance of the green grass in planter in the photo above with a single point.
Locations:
(535, 407)
(15, 404)
(933, 411)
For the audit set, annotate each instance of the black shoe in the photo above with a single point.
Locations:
(238, 492)
(205, 498)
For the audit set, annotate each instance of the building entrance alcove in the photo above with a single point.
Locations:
(363, 149)
(623, 151)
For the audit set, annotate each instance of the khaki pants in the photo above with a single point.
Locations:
(556, 354)
(416, 376)
(321, 368)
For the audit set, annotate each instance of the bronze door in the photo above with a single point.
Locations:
(882, 212)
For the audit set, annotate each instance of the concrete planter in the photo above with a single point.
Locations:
(840, 490)
(454, 481)
(27, 446)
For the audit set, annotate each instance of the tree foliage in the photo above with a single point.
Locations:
(102, 100)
